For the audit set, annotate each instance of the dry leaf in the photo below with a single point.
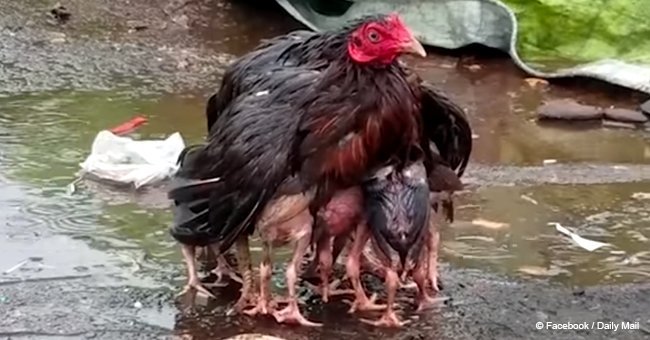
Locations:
(489, 224)
(641, 195)
(539, 271)
(529, 199)
(533, 82)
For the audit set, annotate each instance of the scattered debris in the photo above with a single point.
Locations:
(541, 271)
(60, 13)
(534, 82)
(182, 21)
(57, 37)
(489, 224)
(136, 25)
(625, 115)
(618, 125)
(549, 161)
(641, 195)
(15, 267)
(568, 109)
(631, 261)
(122, 160)
(72, 187)
(129, 126)
(586, 244)
(529, 199)
(645, 107)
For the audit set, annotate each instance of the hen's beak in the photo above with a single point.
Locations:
(413, 46)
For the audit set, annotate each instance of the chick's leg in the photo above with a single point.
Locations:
(193, 282)
(265, 279)
(244, 266)
(325, 265)
(389, 319)
(353, 270)
(433, 279)
(420, 273)
(291, 313)
(223, 271)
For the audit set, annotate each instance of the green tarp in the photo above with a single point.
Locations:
(604, 39)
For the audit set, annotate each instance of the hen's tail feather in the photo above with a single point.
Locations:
(448, 127)
(241, 219)
(195, 190)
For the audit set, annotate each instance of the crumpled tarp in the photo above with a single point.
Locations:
(603, 39)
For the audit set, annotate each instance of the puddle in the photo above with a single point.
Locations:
(48, 134)
(526, 246)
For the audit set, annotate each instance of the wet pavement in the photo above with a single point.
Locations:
(100, 264)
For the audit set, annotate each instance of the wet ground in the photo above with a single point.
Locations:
(99, 263)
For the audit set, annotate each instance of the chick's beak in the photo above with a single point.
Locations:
(413, 46)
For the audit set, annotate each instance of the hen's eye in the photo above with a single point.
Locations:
(373, 36)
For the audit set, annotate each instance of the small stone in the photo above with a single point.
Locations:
(137, 305)
(568, 109)
(60, 13)
(625, 115)
(136, 25)
(57, 37)
(645, 107)
(182, 20)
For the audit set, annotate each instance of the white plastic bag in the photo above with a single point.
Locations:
(124, 160)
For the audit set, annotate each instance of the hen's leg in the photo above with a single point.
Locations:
(265, 278)
(193, 282)
(291, 313)
(244, 266)
(389, 319)
(353, 270)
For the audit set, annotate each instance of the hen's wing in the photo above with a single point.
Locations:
(249, 148)
(244, 76)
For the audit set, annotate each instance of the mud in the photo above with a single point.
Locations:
(100, 266)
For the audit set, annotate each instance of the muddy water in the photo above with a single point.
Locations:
(122, 235)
